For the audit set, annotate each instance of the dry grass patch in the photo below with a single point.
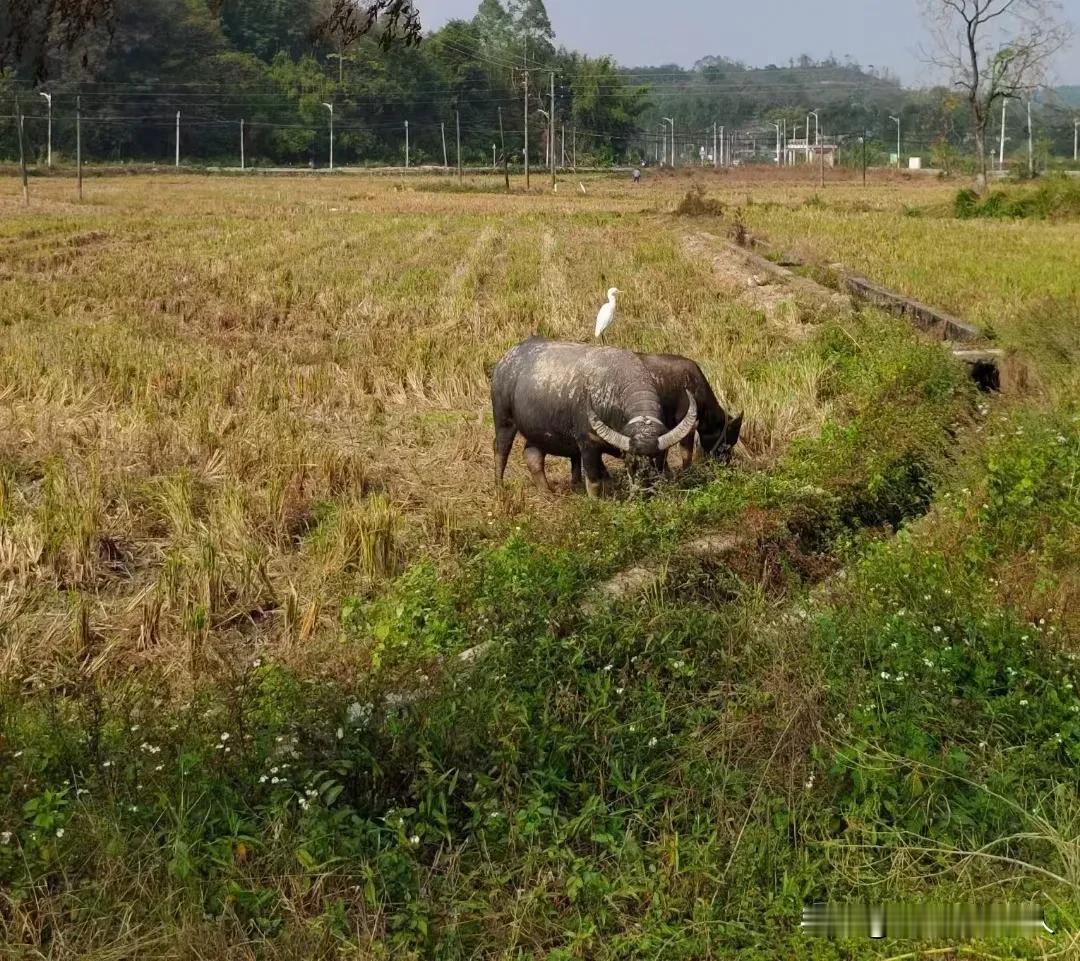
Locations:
(229, 404)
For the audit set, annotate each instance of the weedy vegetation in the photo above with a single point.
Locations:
(248, 530)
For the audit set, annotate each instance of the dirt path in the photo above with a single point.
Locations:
(789, 302)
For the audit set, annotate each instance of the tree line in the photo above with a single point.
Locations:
(275, 65)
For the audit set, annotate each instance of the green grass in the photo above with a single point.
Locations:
(1053, 198)
(872, 697)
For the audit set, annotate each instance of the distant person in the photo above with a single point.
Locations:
(637, 176)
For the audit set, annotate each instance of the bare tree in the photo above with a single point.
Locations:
(993, 49)
(349, 20)
(30, 28)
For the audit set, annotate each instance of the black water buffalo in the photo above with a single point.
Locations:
(579, 401)
(677, 377)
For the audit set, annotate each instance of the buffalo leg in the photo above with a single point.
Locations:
(593, 465)
(504, 441)
(686, 451)
(575, 470)
(534, 460)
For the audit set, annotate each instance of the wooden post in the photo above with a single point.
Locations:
(445, 160)
(78, 142)
(864, 159)
(551, 130)
(1031, 142)
(457, 120)
(22, 153)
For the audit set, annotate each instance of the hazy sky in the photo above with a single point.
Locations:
(886, 33)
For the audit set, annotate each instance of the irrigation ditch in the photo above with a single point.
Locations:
(790, 551)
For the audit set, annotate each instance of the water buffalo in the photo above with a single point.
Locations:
(677, 377)
(578, 401)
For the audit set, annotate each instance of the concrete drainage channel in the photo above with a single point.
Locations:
(985, 363)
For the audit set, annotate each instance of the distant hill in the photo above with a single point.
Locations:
(1069, 95)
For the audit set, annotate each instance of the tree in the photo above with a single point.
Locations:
(29, 28)
(33, 33)
(493, 23)
(532, 25)
(349, 20)
(993, 49)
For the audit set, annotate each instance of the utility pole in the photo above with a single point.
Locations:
(78, 142)
(526, 122)
(1031, 142)
(1001, 149)
(777, 126)
(574, 147)
(445, 161)
(502, 136)
(1076, 139)
(457, 121)
(723, 162)
(330, 107)
(493, 167)
(22, 155)
(863, 139)
(48, 98)
(671, 120)
(177, 139)
(406, 144)
(551, 129)
(821, 158)
(563, 163)
(242, 164)
(896, 120)
(715, 154)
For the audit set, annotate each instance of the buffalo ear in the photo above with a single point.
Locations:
(732, 430)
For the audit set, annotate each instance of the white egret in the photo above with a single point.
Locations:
(606, 315)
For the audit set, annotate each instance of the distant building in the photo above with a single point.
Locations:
(802, 151)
